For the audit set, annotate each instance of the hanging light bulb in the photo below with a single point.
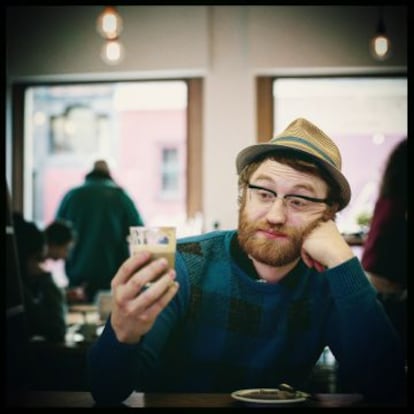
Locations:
(109, 23)
(109, 26)
(112, 52)
(380, 44)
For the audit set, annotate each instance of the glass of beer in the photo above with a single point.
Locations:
(159, 240)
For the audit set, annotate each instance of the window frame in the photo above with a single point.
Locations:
(265, 102)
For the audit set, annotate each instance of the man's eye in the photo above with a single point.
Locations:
(298, 202)
(264, 195)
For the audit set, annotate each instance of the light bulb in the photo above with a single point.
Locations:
(380, 47)
(380, 44)
(109, 23)
(112, 52)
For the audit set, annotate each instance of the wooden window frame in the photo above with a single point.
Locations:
(264, 108)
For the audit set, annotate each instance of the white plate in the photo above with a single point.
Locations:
(246, 396)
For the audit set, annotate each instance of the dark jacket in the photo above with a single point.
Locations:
(101, 213)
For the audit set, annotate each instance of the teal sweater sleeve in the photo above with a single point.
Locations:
(362, 337)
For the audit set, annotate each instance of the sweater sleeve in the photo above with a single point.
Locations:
(116, 369)
(362, 338)
(109, 368)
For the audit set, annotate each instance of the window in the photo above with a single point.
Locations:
(69, 126)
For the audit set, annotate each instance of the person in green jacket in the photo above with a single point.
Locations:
(101, 213)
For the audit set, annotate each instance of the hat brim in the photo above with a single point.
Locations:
(249, 154)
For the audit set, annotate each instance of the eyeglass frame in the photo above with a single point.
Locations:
(326, 201)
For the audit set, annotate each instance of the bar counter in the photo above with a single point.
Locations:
(141, 400)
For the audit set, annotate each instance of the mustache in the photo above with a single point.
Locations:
(294, 234)
(289, 230)
(266, 227)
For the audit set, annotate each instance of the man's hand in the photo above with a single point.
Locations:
(324, 247)
(141, 289)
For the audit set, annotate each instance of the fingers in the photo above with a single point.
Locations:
(325, 247)
(311, 263)
(157, 306)
(318, 266)
(148, 301)
(129, 266)
(133, 318)
(152, 292)
(140, 279)
(306, 258)
(140, 290)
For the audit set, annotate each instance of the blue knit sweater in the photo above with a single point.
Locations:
(225, 330)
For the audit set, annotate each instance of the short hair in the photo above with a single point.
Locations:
(59, 232)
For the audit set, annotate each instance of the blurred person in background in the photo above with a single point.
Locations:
(385, 250)
(60, 239)
(44, 302)
(101, 213)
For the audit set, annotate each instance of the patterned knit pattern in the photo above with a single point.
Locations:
(237, 332)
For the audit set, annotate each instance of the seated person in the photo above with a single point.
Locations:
(60, 238)
(44, 301)
(384, 257)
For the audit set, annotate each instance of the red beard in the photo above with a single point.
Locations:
(271, 252)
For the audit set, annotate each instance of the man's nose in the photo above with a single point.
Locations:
(277, 212)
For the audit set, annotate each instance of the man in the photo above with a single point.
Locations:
(101, 213)
(254, 307)
(60, 239)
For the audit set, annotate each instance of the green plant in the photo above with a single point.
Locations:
(364, 218)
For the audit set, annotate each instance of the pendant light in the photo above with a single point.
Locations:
(380, 44)
(109, 25)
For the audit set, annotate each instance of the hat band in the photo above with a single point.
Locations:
(307, 144)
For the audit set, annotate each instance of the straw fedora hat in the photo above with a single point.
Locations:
(307, 141)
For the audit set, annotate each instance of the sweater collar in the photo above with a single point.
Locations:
(246, 264)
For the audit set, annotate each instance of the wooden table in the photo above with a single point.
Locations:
(84, 399)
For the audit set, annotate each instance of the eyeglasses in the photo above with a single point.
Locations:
(293, 202)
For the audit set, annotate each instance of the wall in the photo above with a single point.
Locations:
(227, 45)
